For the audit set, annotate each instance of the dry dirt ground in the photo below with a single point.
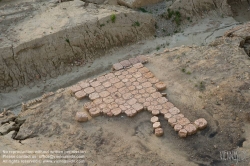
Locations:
(211, 81)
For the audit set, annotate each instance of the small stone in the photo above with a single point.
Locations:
(104, 94)
(138, 107)
(95, 83)
(94, 112)
(117, 66)
(142, 58)
(89, 90)
(125, 63)
(81, 117)
(183, 121)
(155, 112)
(177, 127)
(133, 61)
(93, 96)
(172, 121)
(160, 86)
(159, 132)
(75, 88)
(154, 119)
(156, 125)
(138, 65)
(182, 133)
(191, 129)
(116, 111)
(80, 94)
(201, 123)
(174, 111)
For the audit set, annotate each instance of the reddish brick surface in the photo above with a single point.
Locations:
(80, 94)
(89, 90)
(75, 88)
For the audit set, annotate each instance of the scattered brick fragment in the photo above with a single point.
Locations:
(156, 125)
(154, 119)
(159, 132)
(160, 86)
(81, 117)
(201, 123)
(191, 129)
(117, 66)
(182, 133)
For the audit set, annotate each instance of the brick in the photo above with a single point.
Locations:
(149, 99)
(120, 101)
(75, 88)
(89, 90)
(163, 111)
(114, 80)
(155, 112)
(146, 104)
(183, 121)
(138, 65)
(156, 95)
(162, 100)
(148, 75)
(143, 70)
(132, 79)
(124, 107)
(154, 103)
(167, 116)
(182, 133)
(109, 75)
(154, 119)
(172, 121)
(102, 106)
(177, 127)
(119, 85)
(138, 96)
(137, 74)
(107, 84)
(105, 110)
(145, 95)
(80, 95)
(108, 100)
(121, 77)
(87, 106)
(116, 95)
(131, 88)
(150, 108)
(116, 111)
(128, 76)
(132, 70)
(97, 101)
(160, 86)
(191, 129)
(95, 83)
(124, 72)
(141, 100)
(174, 111)
(101, 79)
(153, 80)
(123, 90)
(84, 84)
(133, 61)
(132, 101)
(127, 96)
(117, 66)
(141, 79)
(110, 114)
(125, 80)
(134, 92)
(94, 112)
(141, 91)
(168, 105)
(138, 107)
(104, 93)
(125, 63)
(159, 132)
(158, 107)
(112, 89)
(81, 117)
(150, 90)
(142, 58)
(93, 96)
(139, 87)
(178, 116)
(201, 123)
(156, 125)
(99, 88)
(112, 105)
(117, 73)
(130, 112)
(146, 84)
(136, 83)
(127, 84)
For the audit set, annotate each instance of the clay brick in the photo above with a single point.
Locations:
(160, 86)
(81, 117)
(156, 95)
(182, 133)
(183, 121)
(117, 73)
(138, 65)
(125, 63)
(143, 70)
(75, 88)
(149, 99)
(156, 125)
(136, 83)
(128, 76)
(112, 105)
(153, 80)
(174, 111)
(141, 91)
(147, 84)
(132, 101)
(142, 58)
(110, 114)
(123, 90)
(133, 61)
(127, 84)
(167, 116)
(178, 116)
(172, 121)
(120, 101)
(84, 84)
(130, 112)
(119, 85)
(137, 74)
(101, 79)
(99, 88)
(146, 104)
(112, 89)
(124, 107)
(141, 100)
(102, 106)
(168, 105)
(109, 76)
(105, 110)
(116, 95)
(145, 95)
(89, 90)
(201, 123)
(177, 127)
(116, 111)
(107, 84)
(155, 112)
(95, 83)
(138, 107)
(154, 119)
(117, 66)
(93, 96)
(163, 111)
(138, 96)
(127, 96)
(139, 87)
(108, 99)
(148, 75)
(134, 92)
(159, 132)
(125, 73)
(121, 77)
(132, 79)
(114, 80)
(125, 80)
(132, 70)
(162, 100)
(191, 129)
(97, 101)
(158, 107)
(104, 93)
(131, 88)
(154, 103)
(80, 94)
(151, 90)
(150, 108)
(94, 112)
(141, 79)
(87, 106)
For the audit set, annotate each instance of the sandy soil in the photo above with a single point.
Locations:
(203, 79)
